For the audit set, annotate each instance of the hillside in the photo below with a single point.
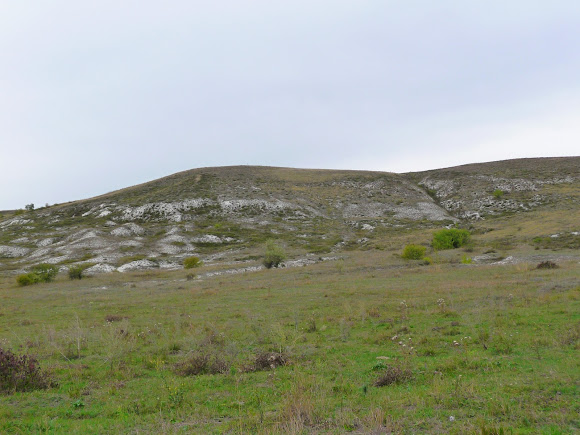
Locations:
(226, 214)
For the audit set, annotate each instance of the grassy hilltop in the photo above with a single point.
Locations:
(469, 340)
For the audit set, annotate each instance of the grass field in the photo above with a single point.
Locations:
(460, 349)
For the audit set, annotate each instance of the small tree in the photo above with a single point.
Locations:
(414, 252)
(29, 207)
(274, 255)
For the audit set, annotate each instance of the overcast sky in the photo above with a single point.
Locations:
(96, 96)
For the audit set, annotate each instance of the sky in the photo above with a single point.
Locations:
(98, 96)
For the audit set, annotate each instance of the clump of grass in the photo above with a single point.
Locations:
(413, 252)
(547, 265)
(201, 364)
(394, 374)
(21, 373)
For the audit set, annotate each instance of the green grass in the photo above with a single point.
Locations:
(492, 346)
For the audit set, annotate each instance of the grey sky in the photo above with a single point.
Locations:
(97, 96)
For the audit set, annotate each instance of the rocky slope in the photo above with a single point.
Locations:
(226, 214)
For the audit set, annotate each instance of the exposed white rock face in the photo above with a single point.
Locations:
(21, 240)
(15, 221)
(137, 265)
(418, 211)
(121, 232)
(169, 265)
(129, 229)
(209, 238)
(13, 251)
(45, 242)
(99, 268)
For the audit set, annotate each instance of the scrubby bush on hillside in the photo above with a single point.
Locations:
(413, 252)
(497, 193)
(76, 272)
(274, 255)
(191, 262)
(20, 373)
(450, 239)
(26, 279)
(45, 272)
(38, 273)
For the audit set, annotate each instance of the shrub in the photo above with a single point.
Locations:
(450, 239)
(274, 255)
(413, 252)
(466, 260)
(45, 272)
(26, 279)
(20, 373)
(39, 273)
(76, 272)
(191, 262)
(497, 193)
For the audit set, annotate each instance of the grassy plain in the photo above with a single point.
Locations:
(470, 348)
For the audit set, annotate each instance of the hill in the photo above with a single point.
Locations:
(226, 214)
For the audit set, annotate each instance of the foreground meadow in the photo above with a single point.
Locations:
(363, 344)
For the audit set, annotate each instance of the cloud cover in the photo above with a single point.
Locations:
(105, 95)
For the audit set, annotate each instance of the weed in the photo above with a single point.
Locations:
(269, 361)
(202, 363)
(547, 265)
(394, 374)
(21, 373)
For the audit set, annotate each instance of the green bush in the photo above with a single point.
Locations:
(274, 255)
(76, 272)
(38, 273)
(450, 239)
(414, 252)
(26, 279)
(45, 272)
(497, 193)
(191, 262)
